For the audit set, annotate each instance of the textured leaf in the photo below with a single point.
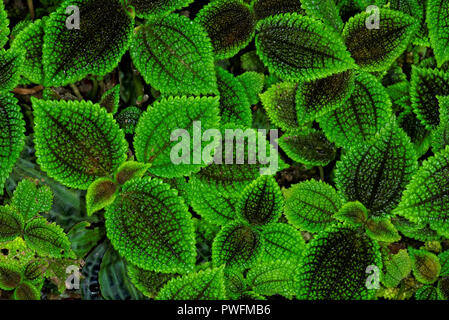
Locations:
(84, 237)
(376, 49)
(237, 246)
(417, 231)
(77, 141)
(10, 68)
(280, 105)
(397, 267)
(426, 197)
(311, 205)
(95, 48)
(382, 230)
(377, 173)
(443, 288)
(425, 265)
(440, 136)
(148, 8)
(4, 25)
(324, 10)
(230, 25)
(353, 213)
(110, 99)
(48, 239)
(235, 284)
(253, 83)
(101, 193)
(174, 55)
(437, 17)
(31, 38)
(12, 128)
(261, 202)
(281, 242)
(361, 116)
(298, 47)
(148, 282)
(443, 257)
(29, 199)
(153, 140)
(426, 293)
(234, 104)
(316, 98)
(309, 147)
(11, 224)
(26, 291)
(275, 277)
(128, 119)
(203, 285)
(150, 226)
(426, 85)
(130, 170)
(334, 266)
(10, 276)
(35, 270)
(266, 8)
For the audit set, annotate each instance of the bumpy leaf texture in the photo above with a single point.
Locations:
(100, 194)
(437, 17)
(26, 291)
(12, 129)
(352, 213)
(426, 293)
(130, 170)
(414, 8)
(128, 119)
(311, 205)
(334, 266)
(417, 231)
(253, 83)
(203, 285)
(397, 267)
(174, 55)
(10, 276)
(149, 225)
(281, 241)
(426, 197)
(148, 8)
(29, 199)
(297, 47)
(425, 265)
(230, 25)
(153, 139)
(110, 99)
(4, 25)
(381, 229)
(375, 49)
(440, 136)
(443, 257)
(361, 116)
(266, 8)
(10, 68)
(377, 173)
(77, 141)
(11, 224)
(148, 282)
(70, 54)
(324, 10)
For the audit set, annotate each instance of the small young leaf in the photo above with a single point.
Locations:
(11, 62)
(11, 224)
(324, 10)
(437, 16)
(375, 49)
(353, 213)
(281, 242)
(237, 246)
(130, 170)
(128, 119)
(148, 282)
(266, 8)
(203, 285)
(230, 25)
(440, 136)
(261, 202)
(301, 48)
(253, 83)
(426, 293)
(10, 276)
(77, 141)
(29, 199)
(104, 34)
(48, 239)
(26, 291)
(149, 225)
(110, 99)
(35, 270)
(425, 265)
(148, 8)
(174, 55)
(397, 267)
(101, 193)
(311, 205)
(382, 230)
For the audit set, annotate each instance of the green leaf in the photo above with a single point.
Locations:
(84, 237)
(376, 49)
(443, 257)
(11, 224)
(10, 276)
(110, 99)
(382, 230)
(417, 231)
(261, 202)
(31, 38)
(234, 104)
(35, 270)
(235, 284)
(425, 265)
(149, 225)
(297, 47)
(443, 288)
(26, 291)
(203, 285)
(174, 55)
(366, 111)
(280, 105)
(153, 140)
(237, 246)
(147, 8)
(47, 239)
(397, 267)
(95, 48)
(317, 98)
(334, 266)
(425, 199)
(12, 129)
(436, 17)
(253, 83)
(77, 141)
(426, 293)
(101, 193)
(310, 147)
(440, 136)
(272, 278)
(266, 8)
(130, 170)
(148, 282)
(311, 205)
(4, 25)
(324, 10)
(128, 119)
(426, 85)
(377, 173)
(30, 200)
(11, 62)
(230, 25)
(353, 213)
(281, 242)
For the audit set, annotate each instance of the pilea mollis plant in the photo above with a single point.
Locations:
(353, 93)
